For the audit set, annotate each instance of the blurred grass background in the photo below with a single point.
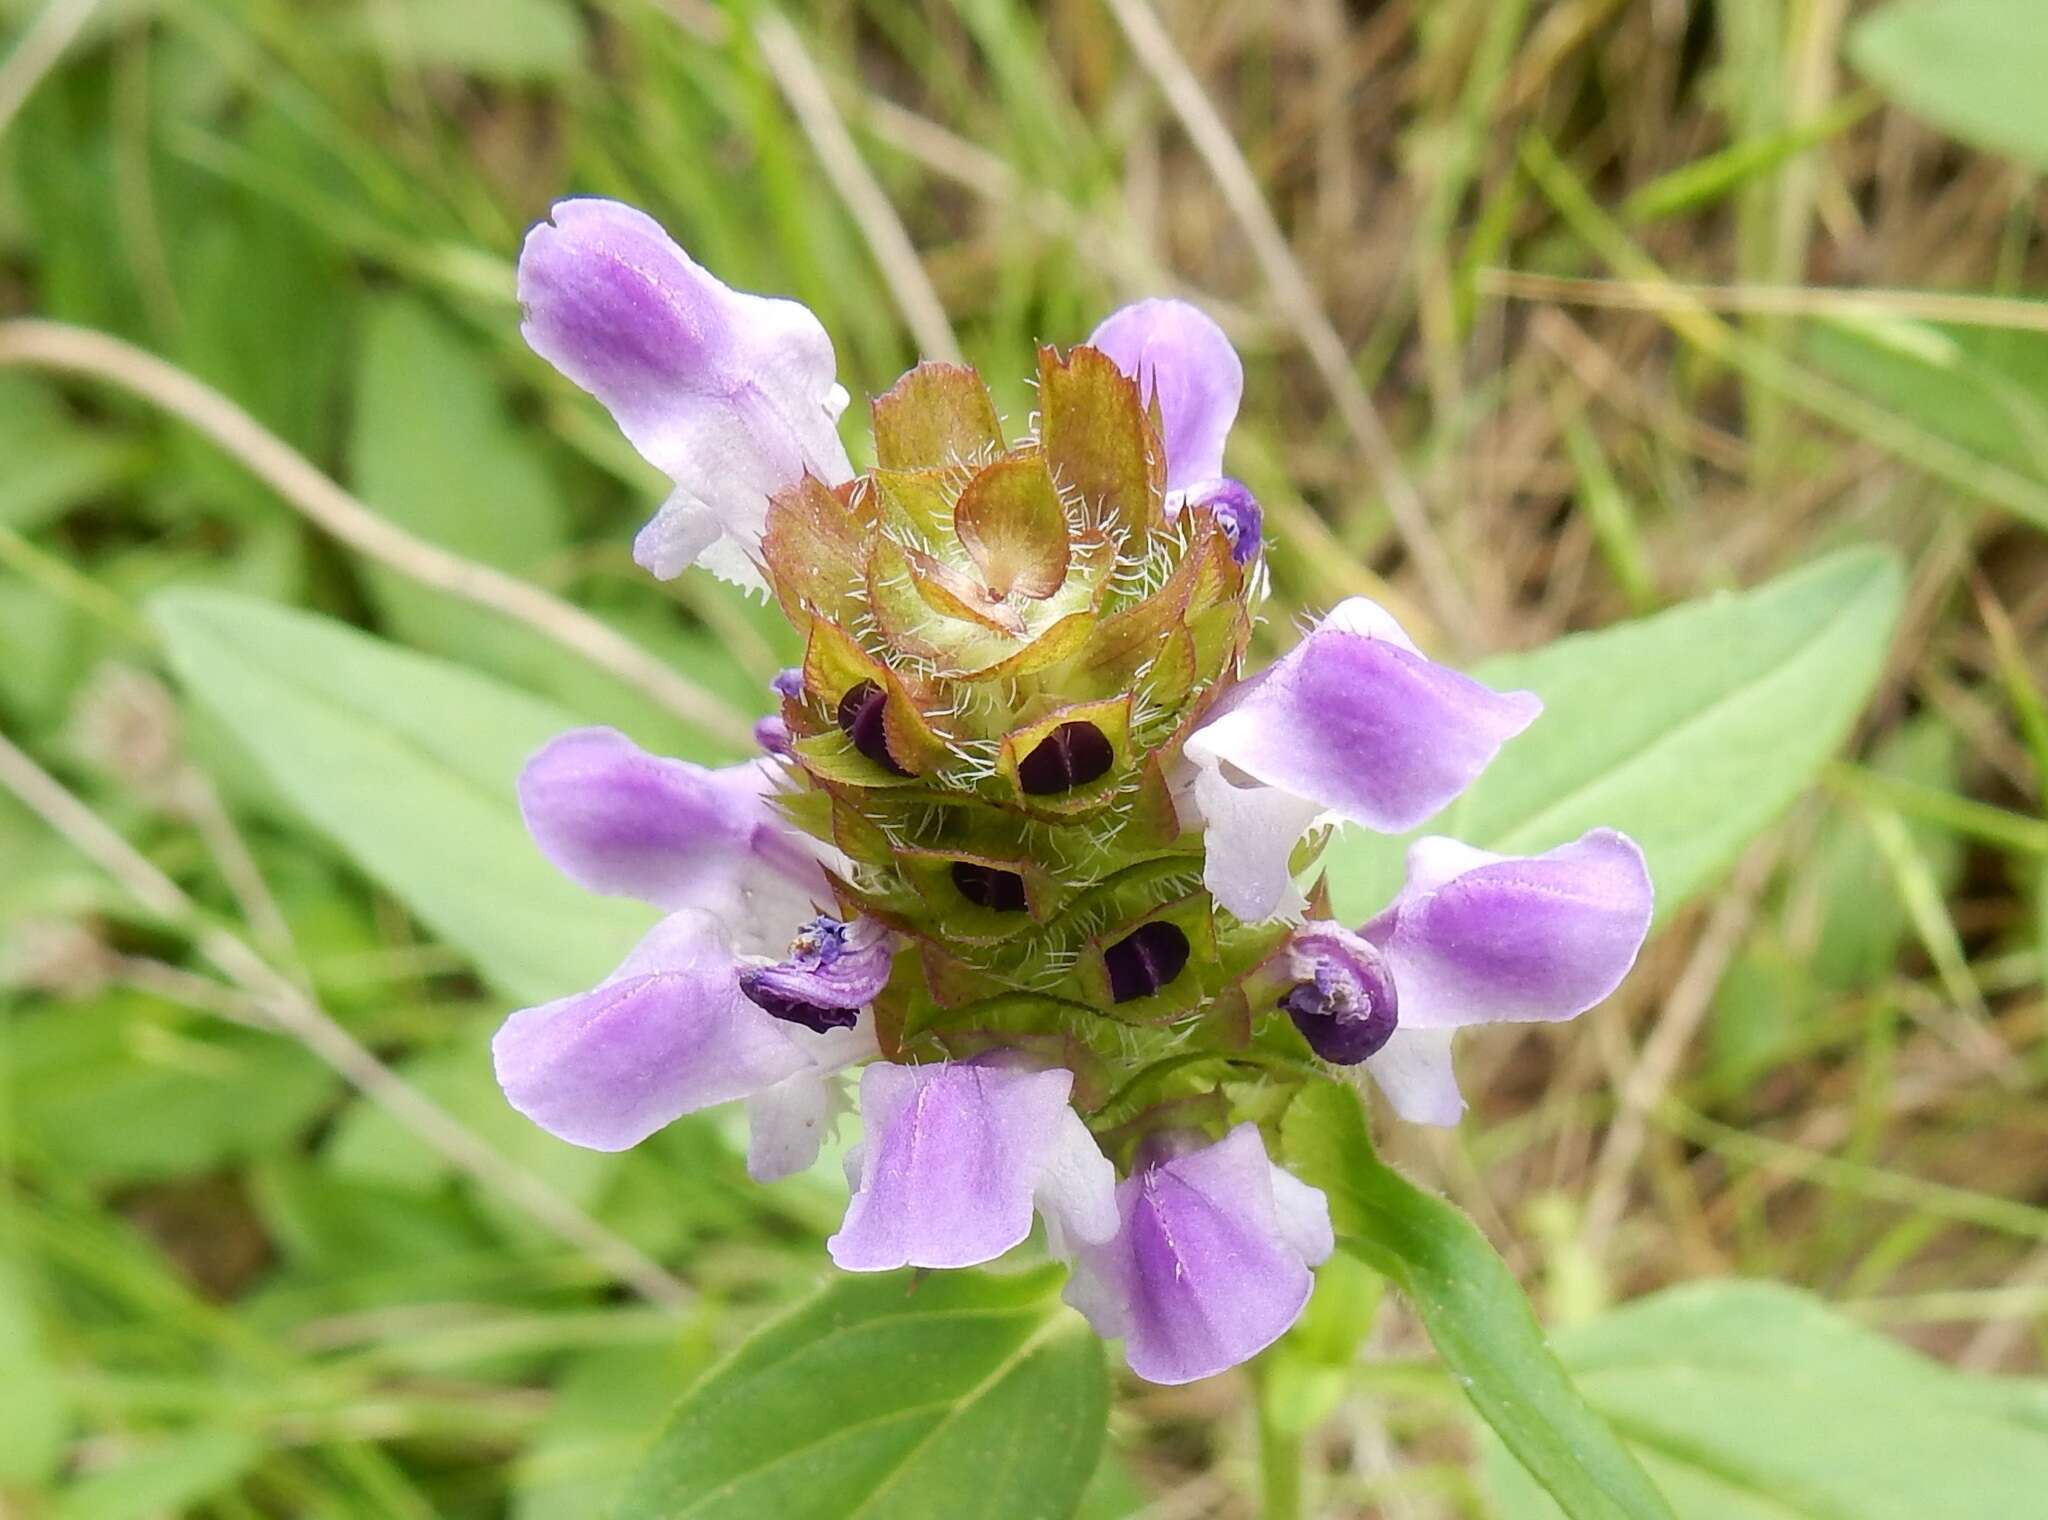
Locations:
(1553, 314)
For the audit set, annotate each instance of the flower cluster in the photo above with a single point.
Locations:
(1024, 843)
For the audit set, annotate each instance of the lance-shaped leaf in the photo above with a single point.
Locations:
(1472, 1308)
(1010, 521)
(898, 1395)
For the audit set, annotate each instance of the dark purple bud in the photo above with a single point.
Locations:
(772, 734)
(1343, 999)
(1145, 960)
(1072, 755)
(989, 887)
(860, 719)
(788, 682)
(1236, 512)
(833, 971)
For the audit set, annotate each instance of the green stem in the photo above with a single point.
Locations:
(1279, 1456)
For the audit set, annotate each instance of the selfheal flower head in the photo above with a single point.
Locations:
(1027, 837)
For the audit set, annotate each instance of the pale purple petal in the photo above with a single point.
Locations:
(1303, 1214)
(1342, 995)
(952, 1157)
(730, 395)
(664, 1035)
(1076, 1193)
(834, 969)
(1212, 1263)
(1413, 1069)
(1354, 721)
(1249, 831)
(1177, 354)
(788, 1123)
(1477, 938)
(682, 531)
(618, 820)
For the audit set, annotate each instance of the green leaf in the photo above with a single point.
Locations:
(171, 1476)
(408, 764)
(1472, 1308)
(1971, 67)
(892, 1398)
(35, 1416)
(1984, 390)
(1750, 1401)
(53, 461)
(111, 1089)
(1688, 731)
(512, 40)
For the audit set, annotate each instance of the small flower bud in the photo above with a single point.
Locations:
(1343, 999)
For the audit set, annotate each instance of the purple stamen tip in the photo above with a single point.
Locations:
(831, 974)
(772, 734)
(788, 682)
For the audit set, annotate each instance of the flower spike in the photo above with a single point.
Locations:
(1023, 835)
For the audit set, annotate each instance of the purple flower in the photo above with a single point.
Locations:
(617, 820)
(1473, 938)
(664, 1035)
(1211, 1262)
(956, 1158)
(1180, 358)
(959, 896)
(1353, 723)
(698, 1014)
(731, 396)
